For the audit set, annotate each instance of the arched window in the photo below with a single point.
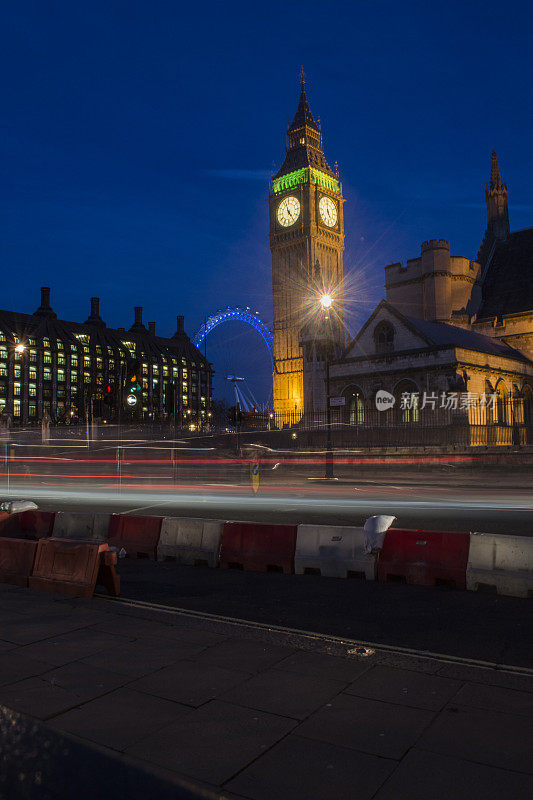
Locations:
(503, 403)
(407, 401)
(384, 337)
(355, 405)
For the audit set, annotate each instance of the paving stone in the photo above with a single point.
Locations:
(143, 657)
(244, 655)
(28, 630)
(301, 769)
(404, 687)
(494, 698)
(71, 646)
(367, 725)
(493, 738)
(85, 681)
(284, 693)
(430, 776)
(37, 697)
(14, 667)
(189, 682)
(214, 742)
(120, 719)
(333, 667)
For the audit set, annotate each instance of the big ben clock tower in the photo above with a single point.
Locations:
(306, 242)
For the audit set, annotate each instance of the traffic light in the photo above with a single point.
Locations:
(109, 394)
(133, 378)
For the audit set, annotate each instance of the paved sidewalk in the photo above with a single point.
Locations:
(233, 712)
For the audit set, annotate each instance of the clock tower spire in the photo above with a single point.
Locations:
(306, 228)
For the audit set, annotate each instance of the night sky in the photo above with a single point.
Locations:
(137, 141)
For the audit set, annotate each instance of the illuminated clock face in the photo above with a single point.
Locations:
(288, 211)
(328, 211)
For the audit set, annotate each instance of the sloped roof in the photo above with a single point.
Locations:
(508, 284)
(303, 114)
(441, 334)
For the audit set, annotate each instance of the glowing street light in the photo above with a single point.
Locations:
(20, 348)
(326, 302)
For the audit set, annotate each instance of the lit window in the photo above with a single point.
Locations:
(60, 374)
(32, 410)
(16, 388)
(99, 363)
(32, 390)
(73, 375)
(46, 342)
(33, 373)
(86, 349)
(16, 408)
(155, 369)
(47, 374)
(61, 359)
(3, 369)
(59, 345)
(74, 361)
(86, 361)
(47, 357)
(86, 377)
(33, 355)
(16, 371)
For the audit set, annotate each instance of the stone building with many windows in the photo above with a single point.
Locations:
(68, 370)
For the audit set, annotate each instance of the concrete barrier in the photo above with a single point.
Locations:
(190, 541)
(500, 563)
(84, 527)
(333, 551)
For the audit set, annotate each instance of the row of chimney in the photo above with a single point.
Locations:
(45, 309)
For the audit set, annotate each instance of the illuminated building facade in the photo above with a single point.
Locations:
(66, 370)
(307, 243)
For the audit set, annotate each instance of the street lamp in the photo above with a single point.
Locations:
(20, 348)
(326, 302)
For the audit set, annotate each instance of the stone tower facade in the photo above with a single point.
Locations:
(306, 242)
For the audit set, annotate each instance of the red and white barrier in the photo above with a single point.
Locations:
(190, 541)
(333, 551)
(502, 563)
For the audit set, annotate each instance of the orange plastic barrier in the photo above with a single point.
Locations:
(28, 525)
(427, 558)
(259, 547)
(71, 567)
(16, 560)
(139, 536)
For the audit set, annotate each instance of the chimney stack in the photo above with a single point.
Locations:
(45, 309)
(45, 297)
(151, 328)
(138, 315)
(180, 323)
(95, 306)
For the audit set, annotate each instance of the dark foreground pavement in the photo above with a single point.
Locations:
(128, 701)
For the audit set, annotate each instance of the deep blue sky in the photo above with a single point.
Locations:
(137, 139)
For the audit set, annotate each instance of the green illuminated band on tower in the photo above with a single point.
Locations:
(293, 179)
